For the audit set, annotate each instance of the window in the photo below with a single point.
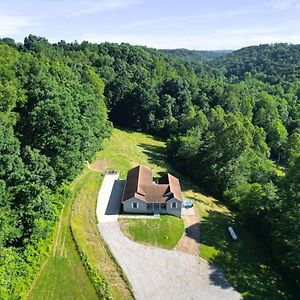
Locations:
(173, 205)
(135, 205)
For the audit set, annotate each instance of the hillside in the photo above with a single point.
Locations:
(232, 125)
(274, 64)
(126, 149)
(195, 55)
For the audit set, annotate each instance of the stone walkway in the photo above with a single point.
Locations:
(143, 217)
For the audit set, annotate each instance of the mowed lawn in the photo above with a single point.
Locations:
(88, 238)
(63, 276)
(164, 232)
(127, 149)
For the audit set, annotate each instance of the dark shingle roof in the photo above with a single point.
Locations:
(175, 187)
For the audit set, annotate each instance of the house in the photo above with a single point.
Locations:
(142, 195)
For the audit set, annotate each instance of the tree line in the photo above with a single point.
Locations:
(52, 119)
(232, 124)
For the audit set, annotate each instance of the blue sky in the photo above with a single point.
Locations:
(214, 24)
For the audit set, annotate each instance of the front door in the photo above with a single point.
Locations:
(156, 208)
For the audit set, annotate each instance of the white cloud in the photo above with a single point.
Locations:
(93, 6)
(14, 24)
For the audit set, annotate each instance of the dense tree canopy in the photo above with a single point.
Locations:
(52, 118)
(232, 125)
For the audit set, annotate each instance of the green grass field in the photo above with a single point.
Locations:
(126, 149)
(246, 263)
(87, 237)
(63, 276)
(164, 232)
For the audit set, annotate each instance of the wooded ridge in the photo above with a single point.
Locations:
(232, 124)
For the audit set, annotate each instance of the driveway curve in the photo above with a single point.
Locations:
(156, 273)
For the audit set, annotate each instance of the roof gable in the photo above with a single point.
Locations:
(139, 184)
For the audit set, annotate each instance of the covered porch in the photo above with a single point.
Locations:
(157, 208)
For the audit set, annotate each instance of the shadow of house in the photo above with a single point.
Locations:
(114, 204)
(193, 232)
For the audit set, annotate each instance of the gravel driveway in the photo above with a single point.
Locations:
(190, 240)
(109, 198)
(156, 273)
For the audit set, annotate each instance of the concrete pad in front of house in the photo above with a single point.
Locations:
(109, 198)
(187, 211)
(156, 273)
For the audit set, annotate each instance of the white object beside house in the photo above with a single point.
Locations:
(142, 196)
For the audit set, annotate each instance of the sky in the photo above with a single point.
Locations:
(192, 24)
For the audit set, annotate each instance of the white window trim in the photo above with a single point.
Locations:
(137, 205)
(172, 203)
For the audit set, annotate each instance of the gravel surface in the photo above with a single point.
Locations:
(109, 198)
(190, 240)
(162, 274)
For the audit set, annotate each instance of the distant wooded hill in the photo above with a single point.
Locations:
(195, 54)
(275, 64)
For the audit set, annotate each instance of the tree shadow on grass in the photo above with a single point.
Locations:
(157, 156)
(246, 262)
(218, 278)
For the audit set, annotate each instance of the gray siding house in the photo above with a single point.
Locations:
(142, 195)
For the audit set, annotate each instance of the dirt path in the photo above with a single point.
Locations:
(190, 241)
(98, 165)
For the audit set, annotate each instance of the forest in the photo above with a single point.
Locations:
(232, 124)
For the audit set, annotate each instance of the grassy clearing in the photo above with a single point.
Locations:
(164, 232)
(63, 276)
(126, 149)
(83, 223)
